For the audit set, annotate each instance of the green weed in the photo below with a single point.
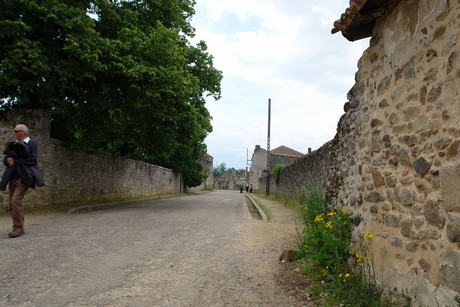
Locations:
(338, 278)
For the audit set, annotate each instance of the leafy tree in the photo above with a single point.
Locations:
(117, 76)
(220, 169)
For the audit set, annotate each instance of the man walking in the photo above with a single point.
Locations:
(23, 173)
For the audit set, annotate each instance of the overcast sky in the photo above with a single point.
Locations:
(282, 50)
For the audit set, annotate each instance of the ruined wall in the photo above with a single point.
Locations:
(76, 177)
(396, 163)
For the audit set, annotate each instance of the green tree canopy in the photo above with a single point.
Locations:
(117, 76)
(221, 170)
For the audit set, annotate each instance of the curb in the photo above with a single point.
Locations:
(95, 207)
(261, 212)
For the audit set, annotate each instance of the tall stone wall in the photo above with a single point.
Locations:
(77, 177)
(394, 163)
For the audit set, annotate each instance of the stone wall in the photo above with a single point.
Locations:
(394, 163)
(295, 177)
(311, 168)
(77, 177)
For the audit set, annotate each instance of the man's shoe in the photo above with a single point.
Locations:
(17, 232)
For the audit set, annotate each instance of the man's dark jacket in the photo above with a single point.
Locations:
(25, 164)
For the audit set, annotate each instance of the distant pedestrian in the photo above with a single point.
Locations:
(250, 188)
(241, 188)
(22, 173)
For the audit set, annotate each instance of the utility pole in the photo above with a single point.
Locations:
(248, 165)
(247, 158)
(267, 190)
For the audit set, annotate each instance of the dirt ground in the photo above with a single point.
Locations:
(279, 230)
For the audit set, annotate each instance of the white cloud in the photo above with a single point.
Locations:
(281, 50)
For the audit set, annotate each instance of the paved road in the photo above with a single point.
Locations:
(180, 251)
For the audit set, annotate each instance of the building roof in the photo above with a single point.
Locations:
(286, 151)
(359, 19)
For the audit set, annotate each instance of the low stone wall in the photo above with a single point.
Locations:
(80, 178)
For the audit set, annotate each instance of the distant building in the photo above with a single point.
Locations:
(229, 181)
(280, 155)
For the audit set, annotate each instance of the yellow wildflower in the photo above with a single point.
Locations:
(319, 218)
(368, 235)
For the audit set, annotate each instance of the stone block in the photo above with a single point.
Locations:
(416, 209)
(391, 181)
(434, 93)
(430, 75)
(434, 215)
(378, 179)
(407, 197)
(374, 197)
(411, 113)
(406, 180)
(383, 85)
(453, 227)
(406, 226)
(392, 220)
(395, 241)
(393, 119)
(421, 123)
(422, 166)
(425, 234)
(412, 246)
(418, 221)
(453, 62)
(449, 273)
(450, 191)
(425, 265)
(442, 142)
(423, 185)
